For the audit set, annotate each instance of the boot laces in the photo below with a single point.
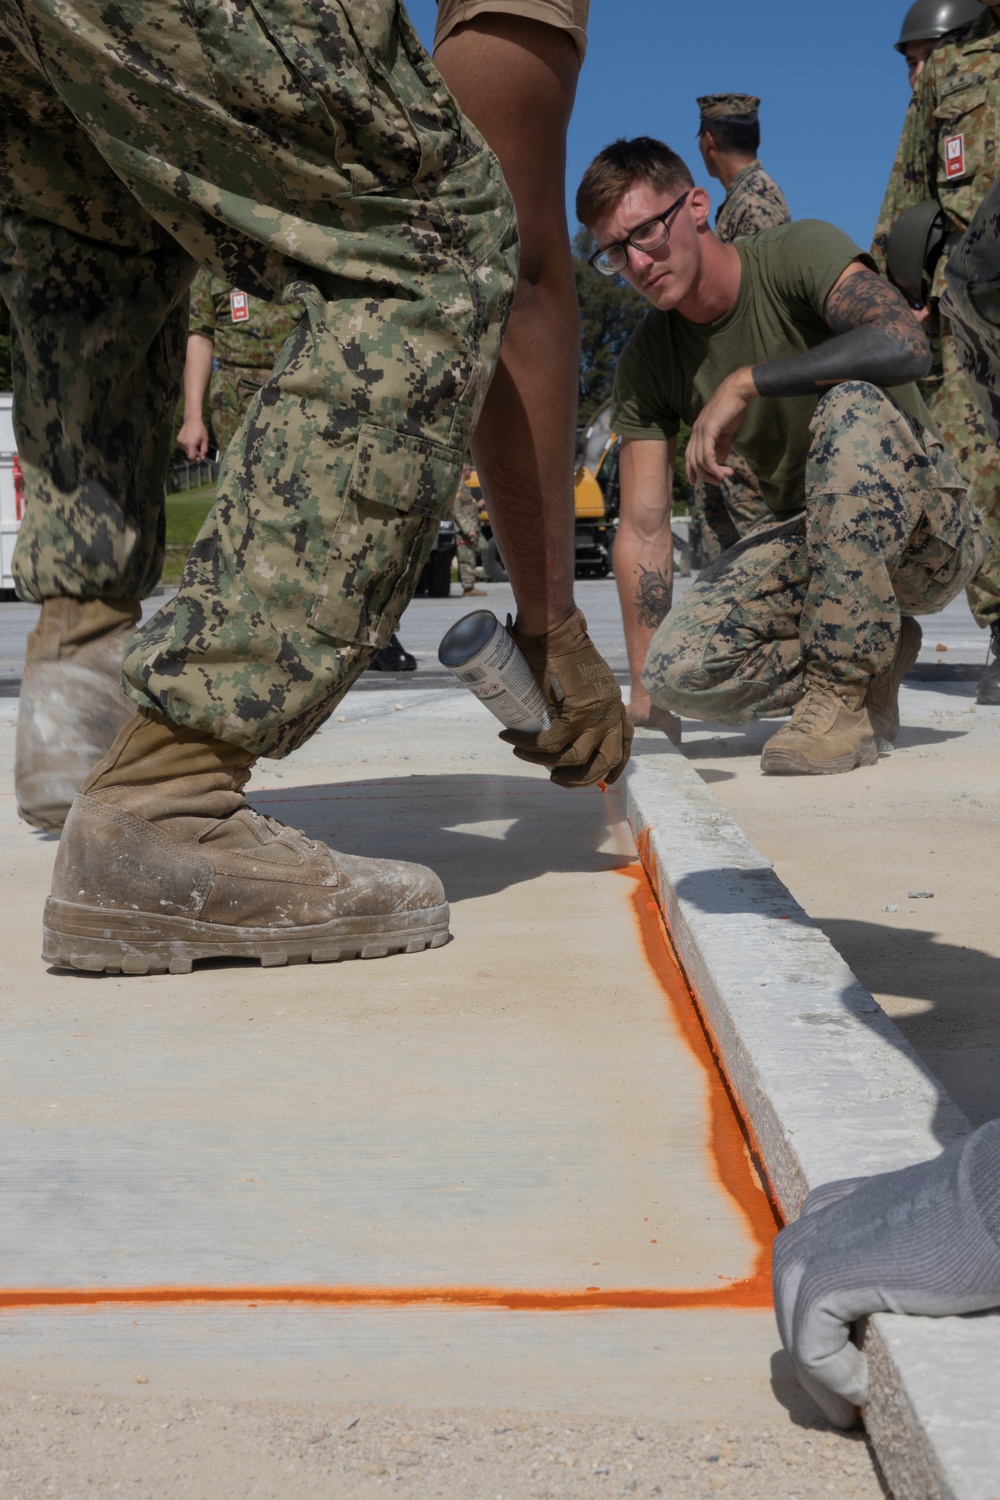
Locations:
(815, 706)
(277, 828)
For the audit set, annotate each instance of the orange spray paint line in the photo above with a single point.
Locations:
(728, 1153)
(740, 1294)
(732, 1150)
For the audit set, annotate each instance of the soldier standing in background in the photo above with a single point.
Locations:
(466, 516)
(947, 153)
(728, 139)
(233, 343)
(925, 24)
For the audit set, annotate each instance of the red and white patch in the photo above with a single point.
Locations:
(239, 307)
(954, 156)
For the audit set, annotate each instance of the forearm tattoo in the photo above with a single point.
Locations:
(876, 338)
(866, 298)
(653, 595)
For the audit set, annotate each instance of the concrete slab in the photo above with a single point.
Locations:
(495, 1115)
(521, 1113)
(695, 1367)
(830, 1089)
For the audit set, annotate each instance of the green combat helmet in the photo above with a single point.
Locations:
(929, 20)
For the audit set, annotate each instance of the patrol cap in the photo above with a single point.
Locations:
(929, 20)
(728, 106)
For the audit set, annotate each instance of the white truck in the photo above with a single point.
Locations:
(11, 490)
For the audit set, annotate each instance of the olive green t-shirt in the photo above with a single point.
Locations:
(670, 366)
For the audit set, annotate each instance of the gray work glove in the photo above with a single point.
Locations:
(922, 1240)
(590, 734)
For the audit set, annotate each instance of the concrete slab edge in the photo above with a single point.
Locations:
(829, 1088)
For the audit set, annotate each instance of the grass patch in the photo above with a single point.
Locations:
(186, 512)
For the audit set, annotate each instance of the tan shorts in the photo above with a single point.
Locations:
(568, 15)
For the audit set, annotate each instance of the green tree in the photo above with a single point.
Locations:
(609, 311)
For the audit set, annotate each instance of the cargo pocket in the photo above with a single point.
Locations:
(945, 550)
(399, 489)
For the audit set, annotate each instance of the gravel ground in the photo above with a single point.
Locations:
(71, 1446)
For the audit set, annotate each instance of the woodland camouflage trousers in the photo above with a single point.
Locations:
(303, 153)
(887, 529)
(725, 512)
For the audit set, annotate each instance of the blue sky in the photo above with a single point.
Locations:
(834, 92)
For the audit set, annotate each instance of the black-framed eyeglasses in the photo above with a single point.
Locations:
(645, 237)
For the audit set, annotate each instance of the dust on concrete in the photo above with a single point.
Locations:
(74, 1445)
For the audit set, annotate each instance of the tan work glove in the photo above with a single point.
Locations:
(590, 734)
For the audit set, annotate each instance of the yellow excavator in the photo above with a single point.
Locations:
(595, 495)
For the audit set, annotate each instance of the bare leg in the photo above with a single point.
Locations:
(516, 80)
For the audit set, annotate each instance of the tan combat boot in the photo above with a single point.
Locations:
(829, 731)
(882, 698)
(162, 863)
(71, 704)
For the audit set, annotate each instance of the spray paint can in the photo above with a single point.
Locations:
(488, 661)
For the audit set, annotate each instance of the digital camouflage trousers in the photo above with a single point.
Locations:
(887, 529)
(303, 153)
(725, 512)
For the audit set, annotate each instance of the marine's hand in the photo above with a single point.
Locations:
(193, 438)
(590, 734)
(646, 715)
(712, 433)
(922, 1240)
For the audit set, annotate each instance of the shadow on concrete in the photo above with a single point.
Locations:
(891, 961)
(750, 741)
(710, 774)
(647, 743)
(961, 990)
(803, 1411)
(911, 736)
(432, 819)
(747, 741)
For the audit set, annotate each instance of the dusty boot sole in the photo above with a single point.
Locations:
(116, 942)
(50, 818)
(793, 763)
